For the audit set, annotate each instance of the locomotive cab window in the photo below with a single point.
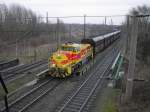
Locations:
(74, 49)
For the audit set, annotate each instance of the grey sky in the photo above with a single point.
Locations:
(79, 7)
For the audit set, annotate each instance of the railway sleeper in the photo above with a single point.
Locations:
(76, 103)
(74, 106)
(71, 110)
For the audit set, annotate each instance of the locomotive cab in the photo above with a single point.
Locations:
(68, 57)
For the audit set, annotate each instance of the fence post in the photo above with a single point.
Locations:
(3, 84)
(6, 92)
(6, 103)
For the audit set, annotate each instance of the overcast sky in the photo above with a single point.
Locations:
(79, 7)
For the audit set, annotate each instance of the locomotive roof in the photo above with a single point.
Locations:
(75, 45)
(104, 36)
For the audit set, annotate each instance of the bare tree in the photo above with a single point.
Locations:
(143, 50)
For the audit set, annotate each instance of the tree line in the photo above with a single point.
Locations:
(18, 23)
(143, 42)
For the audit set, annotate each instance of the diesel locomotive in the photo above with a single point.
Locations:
(72, 56)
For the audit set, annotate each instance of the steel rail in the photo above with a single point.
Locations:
(27, 94)
(81, 87)
(94, 88)
(8, 64)
(16, 69)
(40, 96)
(24, 69)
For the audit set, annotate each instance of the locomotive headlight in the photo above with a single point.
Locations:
(53, 65)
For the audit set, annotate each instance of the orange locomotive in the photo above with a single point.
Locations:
(69, 58)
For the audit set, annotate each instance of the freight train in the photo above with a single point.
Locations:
(71, 56)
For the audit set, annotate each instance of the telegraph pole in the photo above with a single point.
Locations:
(105, 20)
(29, 48)
(84, 26)
(105, 23)
(70, 31)
(127, 34)
(58, 37)
(111, 23)
(132, 58)
(16, 48)
(47, 18)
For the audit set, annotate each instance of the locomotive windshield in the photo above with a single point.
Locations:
(66, 48)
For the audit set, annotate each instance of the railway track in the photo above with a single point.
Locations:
(1, 61)
(10, 63)
(14, 73)
(77, 102)
(39, 69)
(25, 101)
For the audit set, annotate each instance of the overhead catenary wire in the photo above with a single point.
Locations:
(142, 15)
(78, 16)
(61, 17)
